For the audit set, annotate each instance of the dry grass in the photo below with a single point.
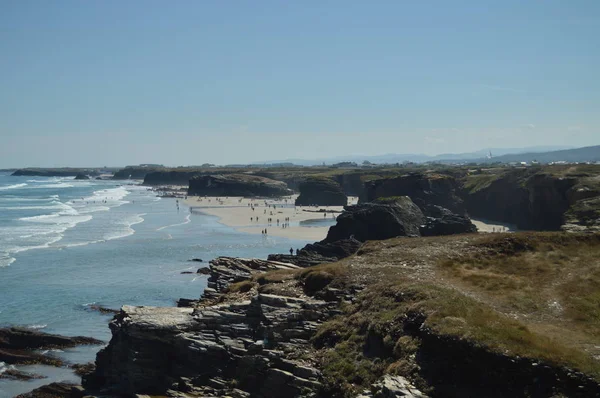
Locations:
(511, 293)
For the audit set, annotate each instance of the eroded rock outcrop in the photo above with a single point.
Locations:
(377, 221)
(424, 189)
(321, 192)
(320, 252)
(17, 346)
(443, 222)
(252, 347)
(237, 185)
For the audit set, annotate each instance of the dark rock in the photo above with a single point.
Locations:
(101, 309)
(16, 338)
(199, 260)
(82, 176)
(134, 172)
(237, 185)
(170, 177)
(446, 223)
(60, 172)
(321, 192)
(17, 345)
(187, 272)
(234, 349)
(424, 189)
(203, 271)
(84, 369)
(14, 374)
(187, 303)
(320, 252)
(53, 390)
(377, 221)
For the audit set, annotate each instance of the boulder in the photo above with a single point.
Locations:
(237, 185)
(377, 221)
(321, 192)
(54, 390)
(445, 222)
(82, 176)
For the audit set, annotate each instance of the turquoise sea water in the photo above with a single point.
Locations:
(66, 244)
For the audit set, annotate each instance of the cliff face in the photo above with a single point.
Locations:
(321, 192)
(171, 177)
(531, 200)
(399, 310)
(136, 173)
(236, 185)
(424, 190)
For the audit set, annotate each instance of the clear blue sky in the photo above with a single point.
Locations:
(188, 82)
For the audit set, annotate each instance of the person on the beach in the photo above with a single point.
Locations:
(251, 218)
(291, 251)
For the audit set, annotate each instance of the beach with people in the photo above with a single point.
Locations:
(270, 216)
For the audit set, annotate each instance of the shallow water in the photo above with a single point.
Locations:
(67, 244)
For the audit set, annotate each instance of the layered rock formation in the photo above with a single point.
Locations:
(237, 185)
(253, 346)
(320, 252)
(321, 192)
(424, 190)
(377, 221)
(81, 176)
(21, 347)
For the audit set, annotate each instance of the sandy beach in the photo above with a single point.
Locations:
(493, 226)
(305, 222)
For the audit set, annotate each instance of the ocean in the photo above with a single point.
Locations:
(67, 244)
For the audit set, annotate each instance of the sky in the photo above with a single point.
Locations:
(90, 83)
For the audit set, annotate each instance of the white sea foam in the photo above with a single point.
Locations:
(11, 198)
(126, 229)
(55, 205)
(15, 186)
(53, 186)
(3, 367)
(6, 260)
(42, 326)
(187, 221)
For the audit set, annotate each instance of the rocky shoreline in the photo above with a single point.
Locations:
(330, 322)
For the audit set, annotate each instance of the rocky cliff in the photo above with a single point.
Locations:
(237, 185)
(170, 177)
(133, 172)
(321, 191)
(402, 317)
(425, 189)
(533, 199)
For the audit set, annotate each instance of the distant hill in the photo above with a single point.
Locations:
(416, 158)
(585, 154)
